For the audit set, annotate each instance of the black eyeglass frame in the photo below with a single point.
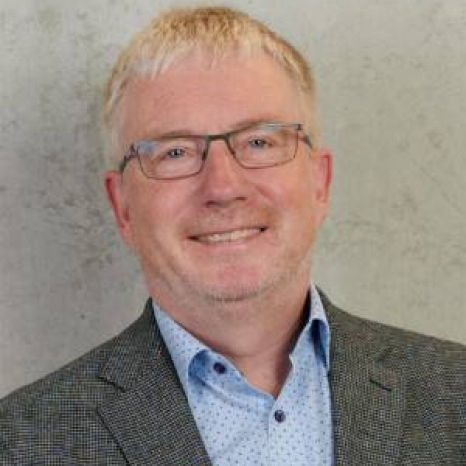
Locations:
(208, 138)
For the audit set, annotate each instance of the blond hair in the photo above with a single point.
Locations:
(217, 31)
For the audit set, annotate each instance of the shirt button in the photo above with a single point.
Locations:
(219, 368)
(279, 415)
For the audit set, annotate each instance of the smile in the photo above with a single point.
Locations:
(228, 236)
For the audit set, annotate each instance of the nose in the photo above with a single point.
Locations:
(223, 180)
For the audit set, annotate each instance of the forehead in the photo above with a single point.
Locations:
(202, 96)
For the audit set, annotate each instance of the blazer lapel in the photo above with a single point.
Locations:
(368, 398)
(151, 421)
(149, 418)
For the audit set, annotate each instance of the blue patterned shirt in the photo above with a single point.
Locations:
(241, 425)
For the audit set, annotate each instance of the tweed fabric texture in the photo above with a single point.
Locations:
(399, 398)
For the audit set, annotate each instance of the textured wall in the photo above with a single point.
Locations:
(392, 87)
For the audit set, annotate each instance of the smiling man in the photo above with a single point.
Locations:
(219, 184)
(223, 225)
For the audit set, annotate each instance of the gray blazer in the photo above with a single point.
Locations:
(398, 399)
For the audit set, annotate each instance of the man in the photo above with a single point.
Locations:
(219, 184)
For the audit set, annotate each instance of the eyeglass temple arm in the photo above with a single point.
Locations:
(126, 158)
(307, 140)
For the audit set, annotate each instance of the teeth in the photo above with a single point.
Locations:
(228, 236)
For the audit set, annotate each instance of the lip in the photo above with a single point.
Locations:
(228, 236)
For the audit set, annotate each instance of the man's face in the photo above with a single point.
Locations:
(228, 233)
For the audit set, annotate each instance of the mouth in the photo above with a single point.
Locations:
(232, 236)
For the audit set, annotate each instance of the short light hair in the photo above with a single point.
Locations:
(216, 31)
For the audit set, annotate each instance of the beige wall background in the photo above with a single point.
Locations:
(392, 87)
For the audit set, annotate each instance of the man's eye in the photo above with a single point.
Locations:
(175, 153)
(258, 143)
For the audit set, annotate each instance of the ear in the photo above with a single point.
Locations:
(118, 197)
(323, 174)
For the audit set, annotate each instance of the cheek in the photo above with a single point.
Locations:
(292, 190)
(300, 204)
(156, 212)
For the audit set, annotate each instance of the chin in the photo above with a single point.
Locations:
(239, 291)
(231, 296)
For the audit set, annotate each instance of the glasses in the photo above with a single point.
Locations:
(259, 146)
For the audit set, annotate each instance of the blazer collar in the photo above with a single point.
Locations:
(149, 417)
(368, 398)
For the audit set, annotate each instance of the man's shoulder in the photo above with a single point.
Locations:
(384, 379)
(36, 418)
(50, 408)
(41, 419)
(405, 350)
(67, 398)
(73, 381)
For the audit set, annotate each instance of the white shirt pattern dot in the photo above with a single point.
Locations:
(241, 425)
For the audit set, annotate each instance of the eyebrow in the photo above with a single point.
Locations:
(180, 132)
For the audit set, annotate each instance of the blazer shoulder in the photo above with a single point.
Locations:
(419, 380)
(63, 405)
(432, 371)
(409, 350)
(72, 379)
(84, 382)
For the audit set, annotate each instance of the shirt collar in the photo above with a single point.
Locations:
(184, 347)
(317, 329)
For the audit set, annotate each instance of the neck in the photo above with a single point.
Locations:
(256, 336)
(264, 361)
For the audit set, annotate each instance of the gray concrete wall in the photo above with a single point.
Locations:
(392, 85)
